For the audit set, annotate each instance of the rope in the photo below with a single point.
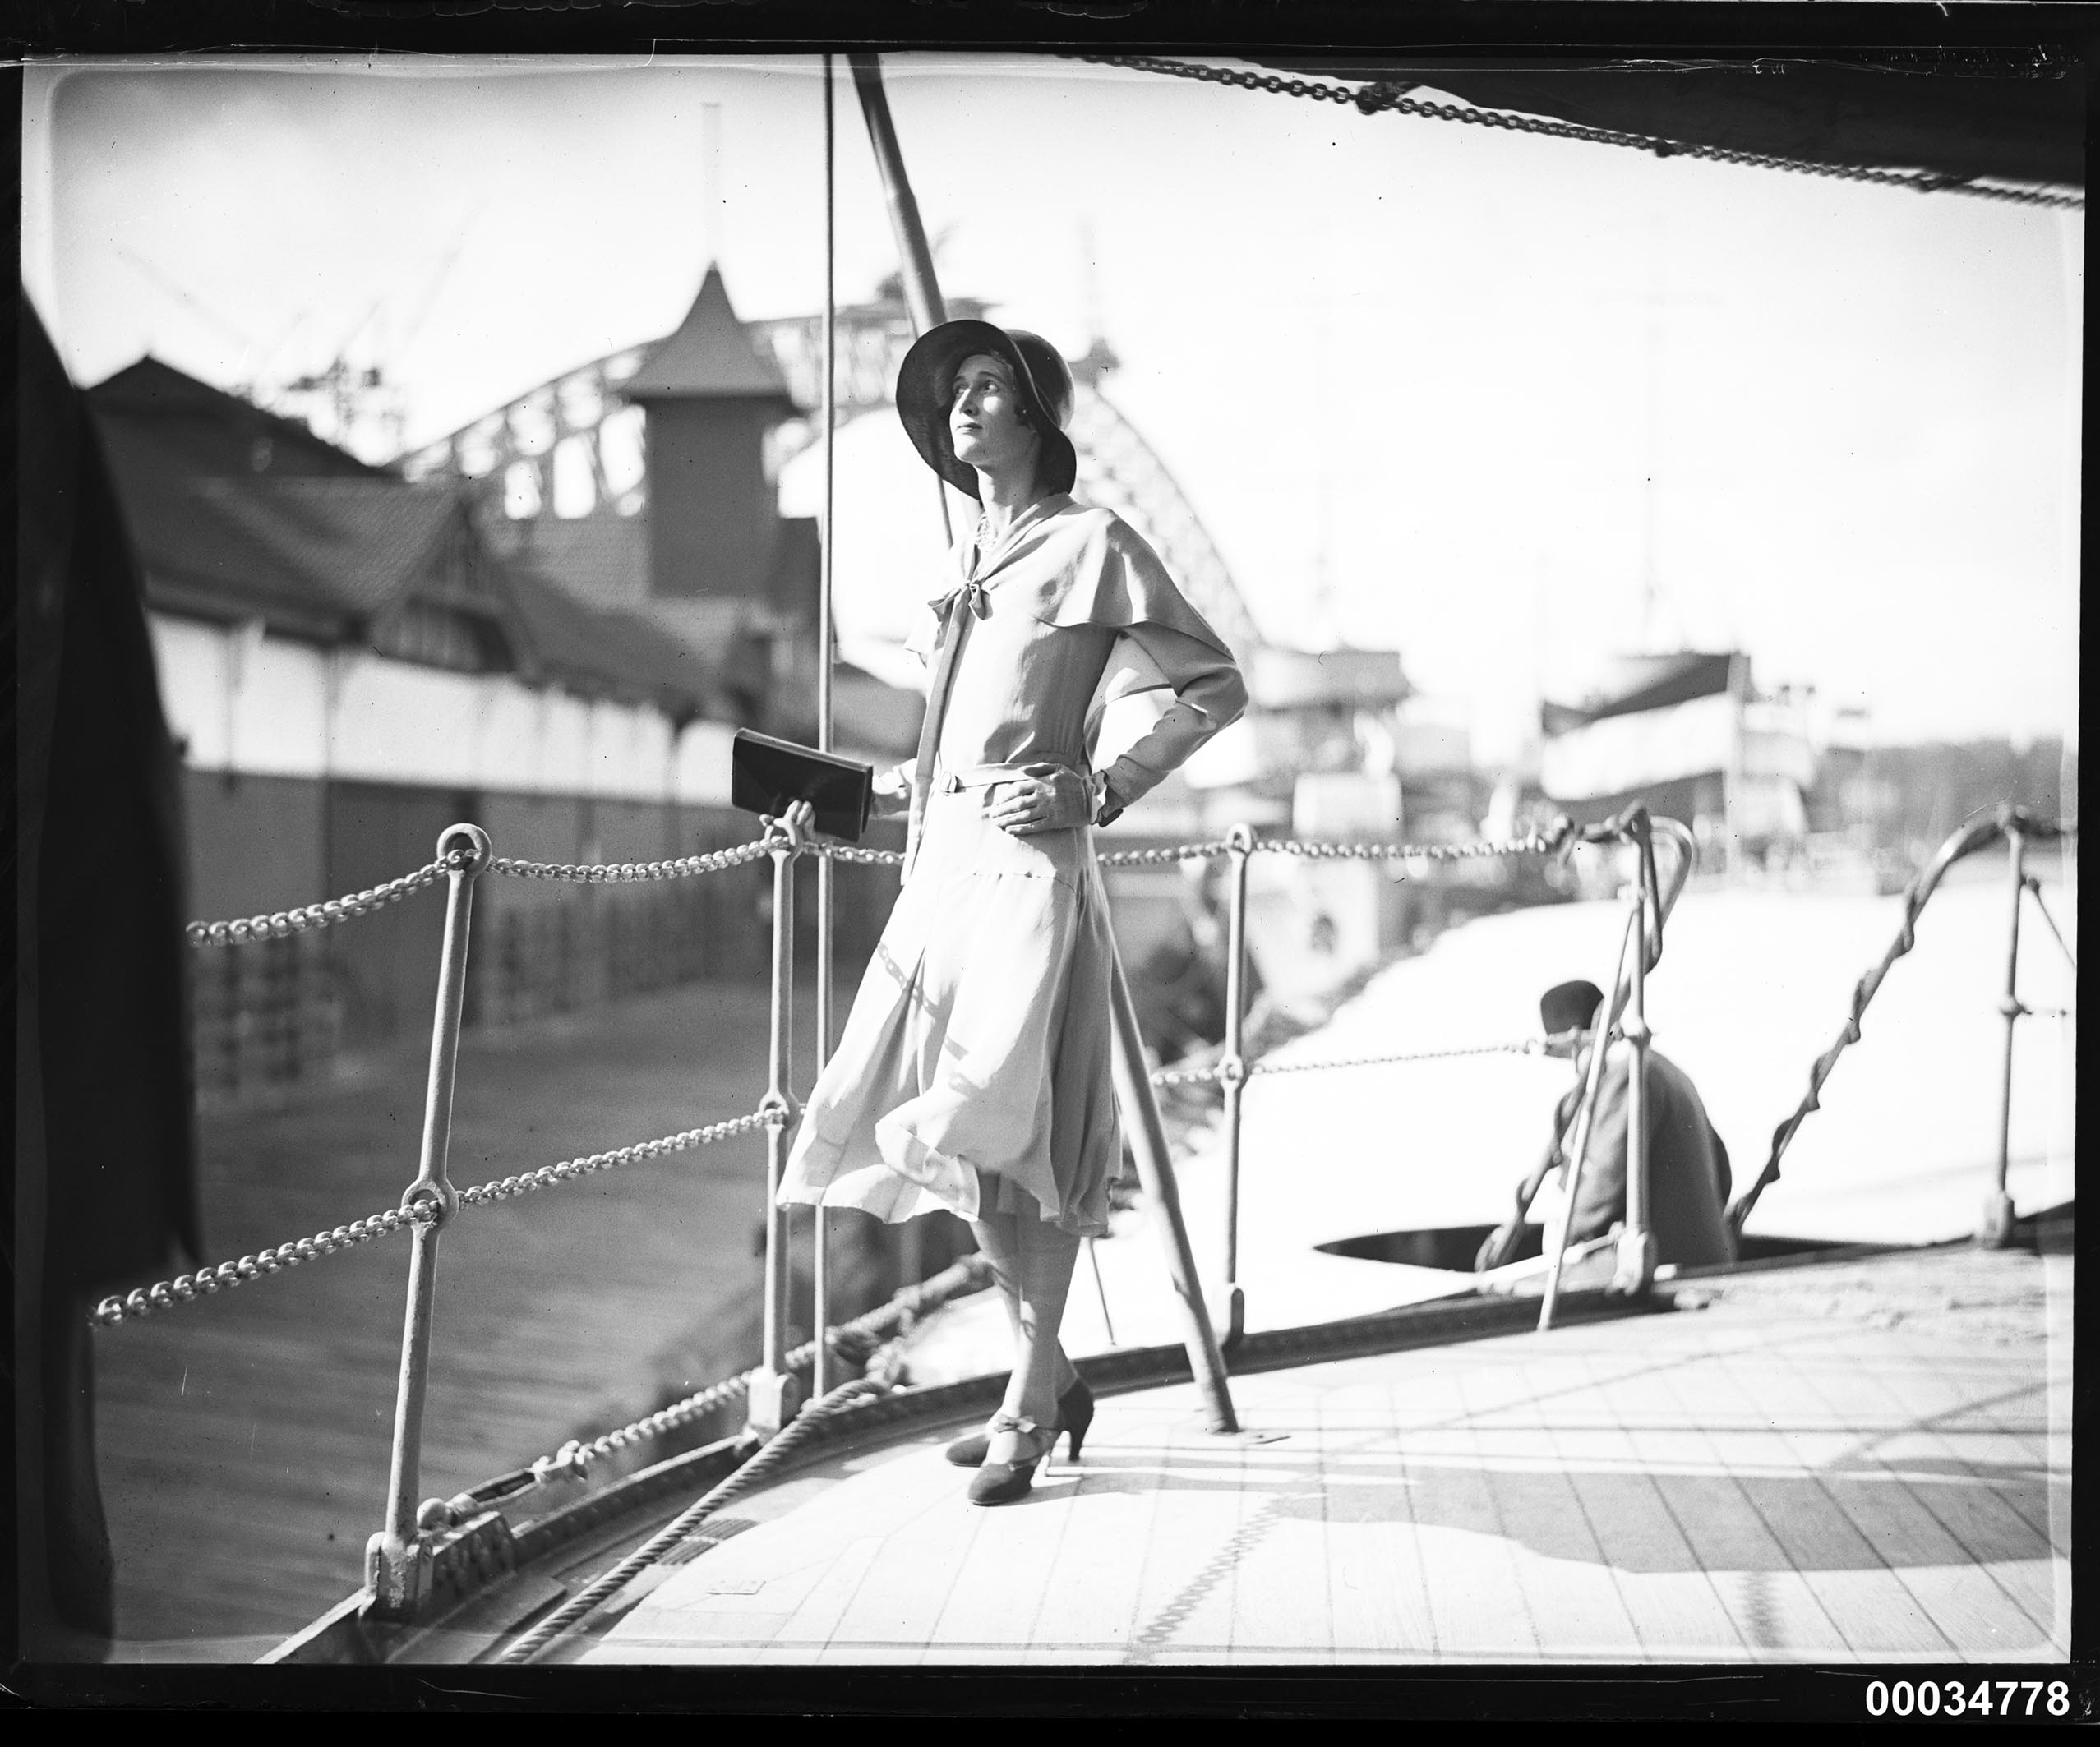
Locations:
(185, 1287)
(633, 873)
(863, 857)
(1375, 98)
(548, 1176)
(856, 1339)
(1535, 843)
(1971, 837)
(791, 1437)
(283, 922)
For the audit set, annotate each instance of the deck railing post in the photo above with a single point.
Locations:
(820, 1376)
(1995, 1229)
(397, 1559)
(1232, 1072)
(1635, 1258)
(1141, 1111)
(1600, 1038)
(775, 1395)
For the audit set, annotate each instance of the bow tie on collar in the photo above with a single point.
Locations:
(972, 592)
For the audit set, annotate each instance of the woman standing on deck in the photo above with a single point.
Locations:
(973, 1072)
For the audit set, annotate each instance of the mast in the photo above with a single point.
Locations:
(922, 289)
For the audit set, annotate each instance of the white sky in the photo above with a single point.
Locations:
(1414, 376)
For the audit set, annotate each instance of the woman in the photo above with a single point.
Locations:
(973, 1072)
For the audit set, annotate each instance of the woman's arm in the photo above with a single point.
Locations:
(1208, 695)
(893, 789)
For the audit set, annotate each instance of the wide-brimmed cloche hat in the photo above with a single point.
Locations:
(1041, 375)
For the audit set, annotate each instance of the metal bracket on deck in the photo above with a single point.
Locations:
(439, 1567)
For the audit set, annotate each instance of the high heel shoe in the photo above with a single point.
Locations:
(1002, 1483)
(1075, 1413)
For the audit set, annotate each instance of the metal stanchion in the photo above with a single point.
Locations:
(397, 1561)
(1232, 1075)
(1995, 1229)
(775, 1395)
(1635, 1265)
(821, 1379)
(1572, 1176)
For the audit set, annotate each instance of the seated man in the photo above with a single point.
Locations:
(1688, 1179)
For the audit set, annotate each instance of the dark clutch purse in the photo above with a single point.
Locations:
(765, 774)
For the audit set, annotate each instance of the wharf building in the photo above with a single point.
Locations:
(353, 659)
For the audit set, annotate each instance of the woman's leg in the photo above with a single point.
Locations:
(999, 1240)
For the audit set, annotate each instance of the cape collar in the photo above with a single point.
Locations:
(977, 561)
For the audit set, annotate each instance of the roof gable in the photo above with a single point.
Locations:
(216, 432)
(710, 357)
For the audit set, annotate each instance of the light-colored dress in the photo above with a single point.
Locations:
(973, 1072)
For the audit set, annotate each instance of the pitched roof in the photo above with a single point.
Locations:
(316, 544)
(218, 432)
(602, 559)
(610, 652)
(710, 357)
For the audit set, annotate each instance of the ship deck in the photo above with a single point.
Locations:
(1853, 1460)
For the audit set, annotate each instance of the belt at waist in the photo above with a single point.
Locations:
(984, 776)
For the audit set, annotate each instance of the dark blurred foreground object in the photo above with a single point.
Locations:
(1688, 1176)
(104, 1149)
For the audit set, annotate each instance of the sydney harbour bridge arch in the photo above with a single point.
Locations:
(573, 446)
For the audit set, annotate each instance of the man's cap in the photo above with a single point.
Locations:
(1569, 1007)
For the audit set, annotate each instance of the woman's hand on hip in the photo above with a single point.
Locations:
(1044, 797)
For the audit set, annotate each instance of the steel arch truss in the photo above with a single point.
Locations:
(573, 445)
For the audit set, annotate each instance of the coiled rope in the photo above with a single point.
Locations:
(791, 1437)
(854, 1340)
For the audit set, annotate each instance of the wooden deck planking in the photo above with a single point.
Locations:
(1673, 1488)
(1281, 1592)
(1674, 1605)
(2000, 1542)
(1578, 1599)
(1200, 1504)
(1091, 1595)
(1774, 1610)
(1965, 1603)
(1476, 1597)
(1375, 1595)
(1851, 1576)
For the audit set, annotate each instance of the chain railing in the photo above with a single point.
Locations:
(309, 916)
(1390, 98)
(2017, 827)
(400, 1559)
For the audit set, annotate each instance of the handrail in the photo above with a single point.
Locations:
(400, 1556)
(2016, 822)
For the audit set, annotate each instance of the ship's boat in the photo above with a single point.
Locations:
(1527, 1449)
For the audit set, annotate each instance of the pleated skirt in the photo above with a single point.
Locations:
(973, 1072)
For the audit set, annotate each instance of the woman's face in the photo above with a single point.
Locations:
(983, 416)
